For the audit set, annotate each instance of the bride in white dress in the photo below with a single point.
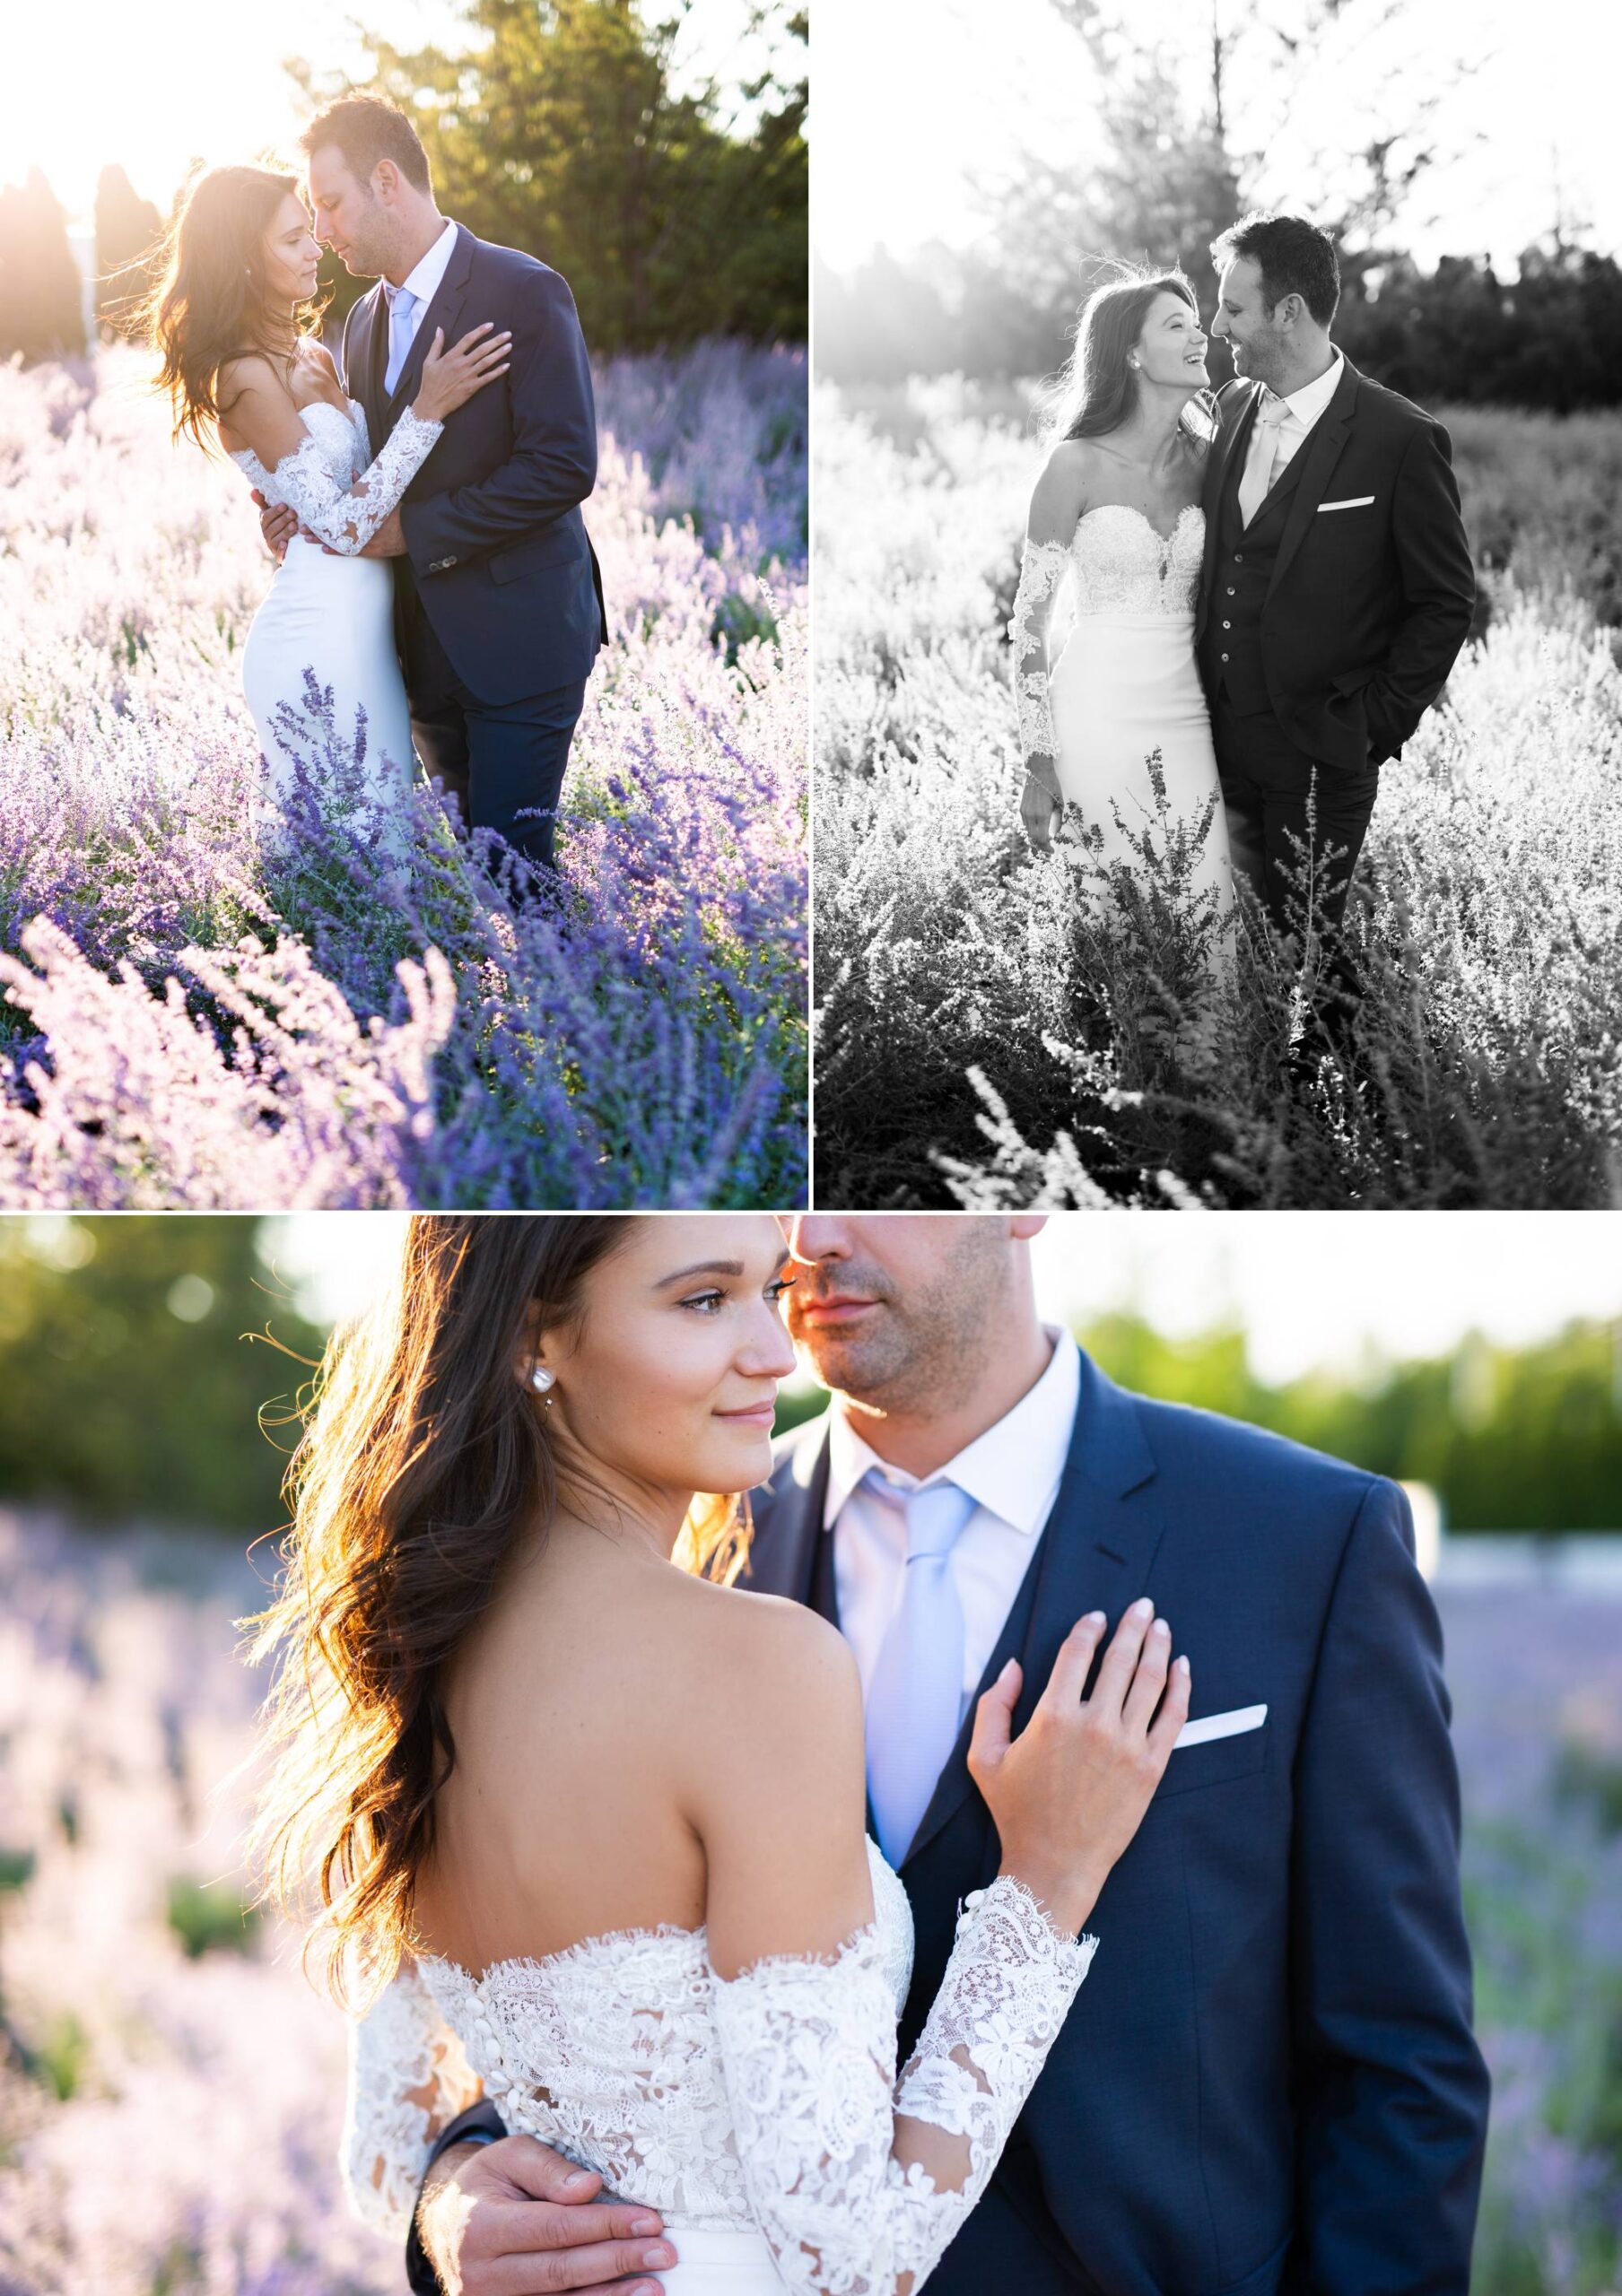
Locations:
(240, 272)
(587, 1825)
(1117, 511)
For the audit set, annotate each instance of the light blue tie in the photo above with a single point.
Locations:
(915, 1698)
(401, 305)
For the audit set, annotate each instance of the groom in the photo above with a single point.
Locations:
(1268, 2082)
(1337, 583)
(498, 599)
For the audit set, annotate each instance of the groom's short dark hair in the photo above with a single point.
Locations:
(366, 130)
(1293, 257)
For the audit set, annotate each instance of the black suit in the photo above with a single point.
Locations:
(498, 599)
(1327, 625)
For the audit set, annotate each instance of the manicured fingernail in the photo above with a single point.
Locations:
(578, 2176)
(1093, 1618)
(1008, 1670)
(657, 2255)
(1143, 1607)
(1160, 1628)
(643, 2224)
(1182, 1666)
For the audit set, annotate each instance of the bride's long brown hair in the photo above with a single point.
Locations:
(211, 304)
(423, 1458)
(1096, 390)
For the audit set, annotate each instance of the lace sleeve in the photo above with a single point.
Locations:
(346, 522)
(858, 2183)
(1041, 572)
(408, 2078)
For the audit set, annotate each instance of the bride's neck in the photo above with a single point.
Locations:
(644, 1524)
(1150, 430)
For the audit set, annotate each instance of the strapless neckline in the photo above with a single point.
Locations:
(1127, 509)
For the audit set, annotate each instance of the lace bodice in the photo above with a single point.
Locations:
(326, 479)
(1121, 565)
(769, 2100)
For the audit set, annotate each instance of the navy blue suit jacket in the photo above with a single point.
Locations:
(496, 547)
(1268, 2080)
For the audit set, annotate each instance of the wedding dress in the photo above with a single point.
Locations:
(333, 617)
(757, 2114)
(1126, 682)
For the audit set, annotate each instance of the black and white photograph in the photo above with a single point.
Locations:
(1218, 574)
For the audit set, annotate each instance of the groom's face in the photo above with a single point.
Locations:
(893, 1309)
(350, 219)
(1244, 323)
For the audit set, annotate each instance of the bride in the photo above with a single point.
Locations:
(580, 1823)
(319, 669)
(1116, 507)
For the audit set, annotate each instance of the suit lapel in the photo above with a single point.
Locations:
(1095, 1553)
(1317, 458)
(782, 1556)
(1218, 464)
(444, 308)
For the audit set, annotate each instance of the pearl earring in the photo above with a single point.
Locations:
(541, 1379)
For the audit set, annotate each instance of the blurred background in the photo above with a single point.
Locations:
(657, 160)
(169, 2088)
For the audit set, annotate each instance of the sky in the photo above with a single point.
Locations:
(1343, 1290)
(152, 84)
(914, 99)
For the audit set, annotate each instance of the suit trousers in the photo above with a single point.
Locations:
(500, 762)
(1285, 811)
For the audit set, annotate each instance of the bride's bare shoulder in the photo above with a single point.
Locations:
(762, 1667)
(1067, 478)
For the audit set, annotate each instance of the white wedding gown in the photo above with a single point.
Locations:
(758, 2113)
(1126, 681)
(334, 616)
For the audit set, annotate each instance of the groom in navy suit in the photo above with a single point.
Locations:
(498, 598)
(1269, 2080)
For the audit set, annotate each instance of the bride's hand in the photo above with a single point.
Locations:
(450, 377)
(1070, 1791)
(1040, 807)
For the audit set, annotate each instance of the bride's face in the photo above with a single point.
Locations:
(1171, 350)
(291, 254)
(669, 1381)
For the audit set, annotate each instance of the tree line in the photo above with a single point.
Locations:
(674, 213)
(149, 1369)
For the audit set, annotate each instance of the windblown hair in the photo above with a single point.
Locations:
(1293, 257)
(366, 130)
(211, 304)
(423, 1460)
(1096, 391)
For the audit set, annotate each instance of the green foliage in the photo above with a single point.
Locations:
(129, 1383)
(559, 131)
(16, 1869)
(209, 1916)
(1513, 1440)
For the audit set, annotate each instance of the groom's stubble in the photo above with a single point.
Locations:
(925, 1349)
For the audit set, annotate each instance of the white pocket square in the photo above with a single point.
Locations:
(1348, 502)
(1221, 1725)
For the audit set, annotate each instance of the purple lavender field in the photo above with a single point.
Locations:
(184, 1023)
(171, 2088)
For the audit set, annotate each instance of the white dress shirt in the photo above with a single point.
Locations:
(422, 283)
(1301, 409)
(1012, 1472)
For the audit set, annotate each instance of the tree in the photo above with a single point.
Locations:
(558, 130)
(42, 295)
(129, 1386)
(127, 231)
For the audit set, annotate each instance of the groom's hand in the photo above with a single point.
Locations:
(390, 540)
(1039, 808)
(509, 2219)
(277, 523)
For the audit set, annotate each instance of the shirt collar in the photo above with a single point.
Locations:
(1308, 402)
(1012, 1469)
(424, 280)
